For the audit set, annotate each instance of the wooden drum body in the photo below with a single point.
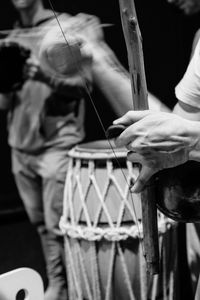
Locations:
(102, 230)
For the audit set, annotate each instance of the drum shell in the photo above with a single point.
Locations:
(101, 267)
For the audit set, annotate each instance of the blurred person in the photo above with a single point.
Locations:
(45, 119)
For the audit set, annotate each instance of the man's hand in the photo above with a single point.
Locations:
(160, 140)
(32, 70)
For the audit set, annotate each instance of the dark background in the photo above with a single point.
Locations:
(167, 38)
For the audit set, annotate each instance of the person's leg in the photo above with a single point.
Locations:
(52, 167)
(29, 186)
(26, 169)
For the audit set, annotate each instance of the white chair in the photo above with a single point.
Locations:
(23, 280)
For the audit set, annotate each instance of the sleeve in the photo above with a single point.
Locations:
(188, 89)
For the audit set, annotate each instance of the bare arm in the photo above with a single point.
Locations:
(113, 80)
(72, 85)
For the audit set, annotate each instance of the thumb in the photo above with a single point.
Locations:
(144, 175)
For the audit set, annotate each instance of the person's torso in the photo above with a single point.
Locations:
(39, 117)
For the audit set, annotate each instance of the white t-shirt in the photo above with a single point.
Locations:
(188, 89)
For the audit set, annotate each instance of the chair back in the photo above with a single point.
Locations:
(23, 284)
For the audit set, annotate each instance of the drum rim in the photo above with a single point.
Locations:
(86, 151)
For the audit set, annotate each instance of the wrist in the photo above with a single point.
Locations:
(46, 78)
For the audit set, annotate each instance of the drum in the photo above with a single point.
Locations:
(102, 229)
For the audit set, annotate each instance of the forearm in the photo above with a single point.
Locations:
(157, 105)
(74, 86)
(112, 79)
(116, 88)
(193, 115)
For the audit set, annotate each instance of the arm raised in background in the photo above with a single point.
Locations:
(113, 80)
(108, 74)
(72, 84)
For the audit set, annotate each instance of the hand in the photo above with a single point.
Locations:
(160, 140)
(32, 70)
(153, 161)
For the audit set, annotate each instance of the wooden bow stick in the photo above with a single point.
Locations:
(132, 37)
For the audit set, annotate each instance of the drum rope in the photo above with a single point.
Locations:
(115, 232)
(125, 272)
(72, 273)
(76, 257)
(95, 273)
(90, 231)
(110, 234)
(110, 271)
(82, 268)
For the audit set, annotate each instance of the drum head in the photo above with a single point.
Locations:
(100, 150)
(101, 146)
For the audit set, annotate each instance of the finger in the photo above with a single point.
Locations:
(132, 117)
(135, 157)
(145, 174)
(130, 136)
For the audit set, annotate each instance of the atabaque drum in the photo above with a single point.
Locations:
(102, 229)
